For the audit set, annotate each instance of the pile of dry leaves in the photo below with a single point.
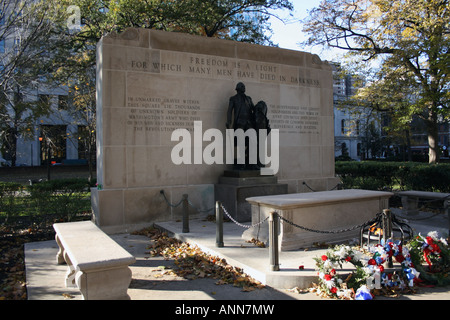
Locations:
(12, 258)
(192, 263)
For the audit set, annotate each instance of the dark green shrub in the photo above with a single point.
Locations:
(365, 175)
(61, 186)
(62, 198)
(427, 177)
(372, 175)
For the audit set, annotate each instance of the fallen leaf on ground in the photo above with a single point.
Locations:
(248, 289)
(192, 263)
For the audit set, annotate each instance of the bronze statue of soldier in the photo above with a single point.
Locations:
(241, 115)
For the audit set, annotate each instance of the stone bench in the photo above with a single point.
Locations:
(322, 211)
(410, 200)
(97, 265)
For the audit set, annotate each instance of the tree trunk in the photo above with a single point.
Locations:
(433, 138)
(408, 145)
(11, 140)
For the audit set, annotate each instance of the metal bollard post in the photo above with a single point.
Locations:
(387, 232)
(387, 224)
(447, 210)
(219, 225)
(273, 241)
(185, 214)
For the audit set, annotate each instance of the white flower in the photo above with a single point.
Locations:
(405, 251)
(330, 283)
(335, 265)
(343, 252)
(328, 264)
(358, 255)
(434, 235)
(394, 247)
(407, 263)
(383, 255)
(443, 241)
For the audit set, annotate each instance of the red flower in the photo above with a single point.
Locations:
(333, 272)
(327, 277)
(333, 290)
(399, 258)
(324, 258)
(301, 267)
(372, 262)
(435, 248)
(381, 268)
(348, 259)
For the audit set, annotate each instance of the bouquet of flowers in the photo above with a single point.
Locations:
(369, 275)
(431, 255)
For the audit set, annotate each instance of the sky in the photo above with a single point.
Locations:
(288, 35)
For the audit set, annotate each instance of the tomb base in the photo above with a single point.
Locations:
(327, 211)
(235, 186)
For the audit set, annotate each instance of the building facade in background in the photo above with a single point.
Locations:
(56, 138)
(358, 131)
(349, 124)
(27, 139)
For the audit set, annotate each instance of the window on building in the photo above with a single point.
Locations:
(63, 102)
(343, 126)
(344, 150)
(85, 140)
(53, 143)
(45, 100)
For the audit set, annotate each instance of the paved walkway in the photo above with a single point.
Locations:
(152, 281)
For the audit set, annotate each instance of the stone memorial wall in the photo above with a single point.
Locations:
(151, 83)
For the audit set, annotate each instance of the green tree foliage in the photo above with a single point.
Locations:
(409, 38)
(26, 38)
(73, 64)
(241, 20)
